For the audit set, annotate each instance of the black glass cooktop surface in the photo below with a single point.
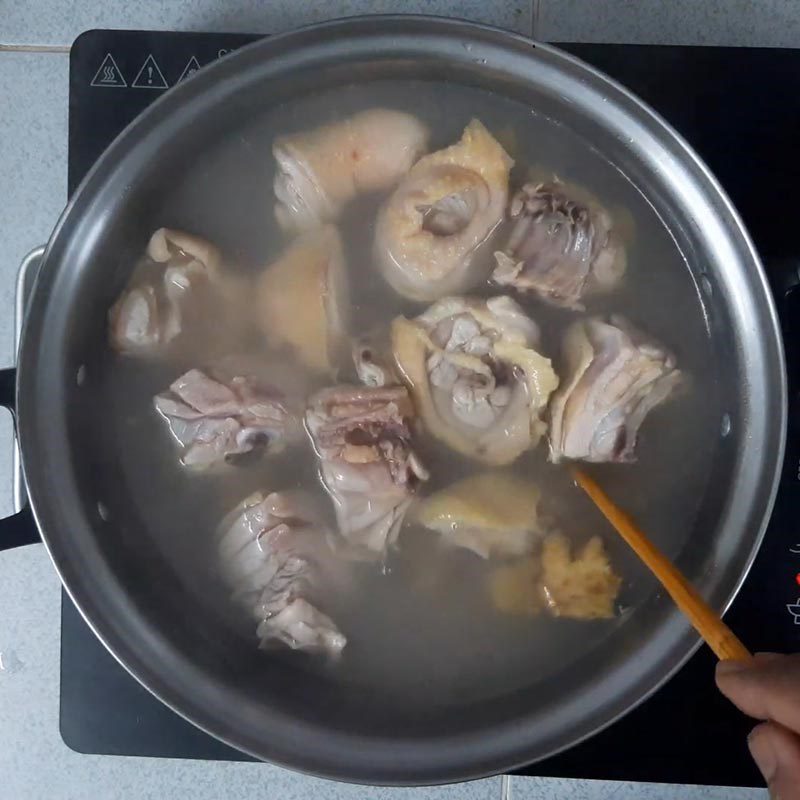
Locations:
(739, 109)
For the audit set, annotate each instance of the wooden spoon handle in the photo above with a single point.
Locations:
(719, 637)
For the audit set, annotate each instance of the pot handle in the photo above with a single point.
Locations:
(19, 528)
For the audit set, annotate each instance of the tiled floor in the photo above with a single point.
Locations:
(555, 789)
(33, 174)
(24, 23)
(750, 23)
(33, 164)
(764, 23)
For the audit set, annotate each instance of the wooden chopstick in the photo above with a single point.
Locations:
(719, 637)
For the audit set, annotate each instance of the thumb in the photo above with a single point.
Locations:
(776, 752)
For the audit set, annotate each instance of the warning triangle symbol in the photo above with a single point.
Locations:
(149, 76)
(191, 67)
(108, 74)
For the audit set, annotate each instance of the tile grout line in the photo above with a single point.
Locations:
(505, 787)
(535, 6)
(34, 48)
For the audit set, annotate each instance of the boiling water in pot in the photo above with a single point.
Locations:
(420, 622)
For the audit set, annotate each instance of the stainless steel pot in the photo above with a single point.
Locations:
(128, 593)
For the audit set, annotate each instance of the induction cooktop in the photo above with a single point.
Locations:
(739, 109)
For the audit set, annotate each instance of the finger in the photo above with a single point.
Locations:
(767, 687)
(776, 752)
(764, 658)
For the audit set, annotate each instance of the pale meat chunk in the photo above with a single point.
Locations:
(614, 376)
(216, 419)
(363, 438)
(321, 170)
(151, 312)
(275, 558)
(177, 285)
(560, 248)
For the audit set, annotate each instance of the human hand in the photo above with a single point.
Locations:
(768, 688)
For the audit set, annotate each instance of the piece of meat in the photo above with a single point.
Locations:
(615, 376)
(492, 514)
(148, 314)
(275, 558)
(179, 271)
(477, 380)
(142, 319)
(217, 419)
(372, 360)
(363, 438)
(303, 299)
(560, 248)
(170, 246)
(429, 234)
(319, 171)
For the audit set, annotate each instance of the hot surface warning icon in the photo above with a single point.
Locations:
(149, 76)
(191, 67)
(108, 74)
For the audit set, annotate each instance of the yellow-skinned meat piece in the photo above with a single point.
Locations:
(303, 299)
(430, 233)
(492, 514)
(512, 361)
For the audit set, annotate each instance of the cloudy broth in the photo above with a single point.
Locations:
(421, 624)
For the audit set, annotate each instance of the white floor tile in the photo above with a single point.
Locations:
(60, 21)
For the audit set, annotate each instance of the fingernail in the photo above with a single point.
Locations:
(765, 657)
(731, 667)
(763, 754)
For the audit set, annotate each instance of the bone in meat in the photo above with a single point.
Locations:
(276, 560)
(215, 420)
(560, 248)
(363, 438)
(615, 376)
